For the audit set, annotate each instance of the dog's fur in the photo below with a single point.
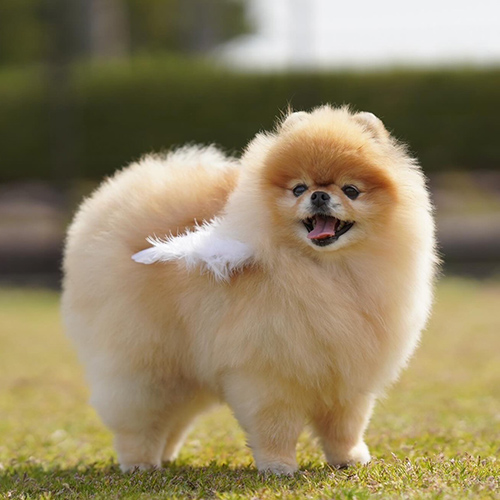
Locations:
(237, 304)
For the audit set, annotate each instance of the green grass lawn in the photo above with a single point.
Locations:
(436, 435)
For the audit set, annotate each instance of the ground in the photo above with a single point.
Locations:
(436, 435)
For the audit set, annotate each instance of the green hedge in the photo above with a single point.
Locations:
(120, 111)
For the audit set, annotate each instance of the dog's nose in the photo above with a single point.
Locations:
(320, 198)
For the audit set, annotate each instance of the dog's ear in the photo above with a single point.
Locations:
(372, 124)
(292, 118)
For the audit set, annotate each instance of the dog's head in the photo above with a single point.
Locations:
(325, 178)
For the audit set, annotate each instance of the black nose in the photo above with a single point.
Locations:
(320, 198)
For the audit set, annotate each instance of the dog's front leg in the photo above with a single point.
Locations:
(271, 419)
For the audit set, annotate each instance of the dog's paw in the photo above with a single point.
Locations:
(277, 468)
(359, 454)
(138, 466)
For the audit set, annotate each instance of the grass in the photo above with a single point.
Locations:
(437, 434)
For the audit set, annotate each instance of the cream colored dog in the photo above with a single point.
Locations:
(292, 284)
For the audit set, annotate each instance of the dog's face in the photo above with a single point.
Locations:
(325, 181)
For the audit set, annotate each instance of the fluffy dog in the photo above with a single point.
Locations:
(292, 284)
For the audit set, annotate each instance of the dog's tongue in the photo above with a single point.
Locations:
(324, 228)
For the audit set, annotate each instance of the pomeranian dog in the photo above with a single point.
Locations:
(292, 284)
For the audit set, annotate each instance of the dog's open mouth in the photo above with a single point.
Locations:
(323, 229)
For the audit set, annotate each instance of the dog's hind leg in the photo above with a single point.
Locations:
(180, 420)
(135, 410)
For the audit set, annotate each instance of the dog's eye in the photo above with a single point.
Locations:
(300, 189)
(351, 192)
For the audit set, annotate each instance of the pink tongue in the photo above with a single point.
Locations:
(325, 227)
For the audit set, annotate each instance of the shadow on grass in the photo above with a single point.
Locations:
(177, 480)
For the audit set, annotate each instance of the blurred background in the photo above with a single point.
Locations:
(88, 86)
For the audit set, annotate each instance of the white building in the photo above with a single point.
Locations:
(368, 33)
